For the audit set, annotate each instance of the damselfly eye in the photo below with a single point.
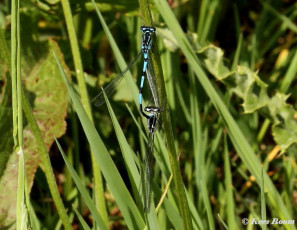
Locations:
(149, 29)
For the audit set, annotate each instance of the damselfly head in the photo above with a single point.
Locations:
(146, 29)
(147, 38)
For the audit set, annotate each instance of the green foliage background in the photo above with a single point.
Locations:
(230, 76)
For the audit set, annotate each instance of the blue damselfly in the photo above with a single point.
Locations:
(148, 34)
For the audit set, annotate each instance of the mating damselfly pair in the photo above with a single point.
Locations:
(151, 113)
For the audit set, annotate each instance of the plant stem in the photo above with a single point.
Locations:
(14, 70)
(99, 191)
(76, 58)
(159, 79)
(21, 214)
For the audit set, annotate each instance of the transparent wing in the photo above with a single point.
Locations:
(110, 88)
(150, 73)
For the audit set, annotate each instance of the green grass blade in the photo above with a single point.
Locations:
(83, 191)
(14, 68)
(195, 215)
(125, 148)
(228, 184)
(170, 210)
(21, 211)
(224, 224)
(35, 223)
(81, 220)
(290, 74)
(282, 17)
(199, 154)
(117, 187)
(237, 53)
(206, 201)
(21, 207)
(76, 56)
(263, 203)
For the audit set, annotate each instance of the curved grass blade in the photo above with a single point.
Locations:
(230, 210)
(81, 220)
(83, 191)
(110, 88)
(126, 150)
(111, 174)
(263, 203)
(223, 223)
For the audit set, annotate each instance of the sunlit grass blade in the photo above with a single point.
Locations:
(164, 193)
(237, 53)
(116, 185)
(170, 209)
(199, 151)
(81, 220)
(83, 191)
(126, 150)
(21, 206)
(223, 223)
(21, 209)
(34, 222)
(196, 218)
(263, 203)
(228, 184)
(290, 74)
